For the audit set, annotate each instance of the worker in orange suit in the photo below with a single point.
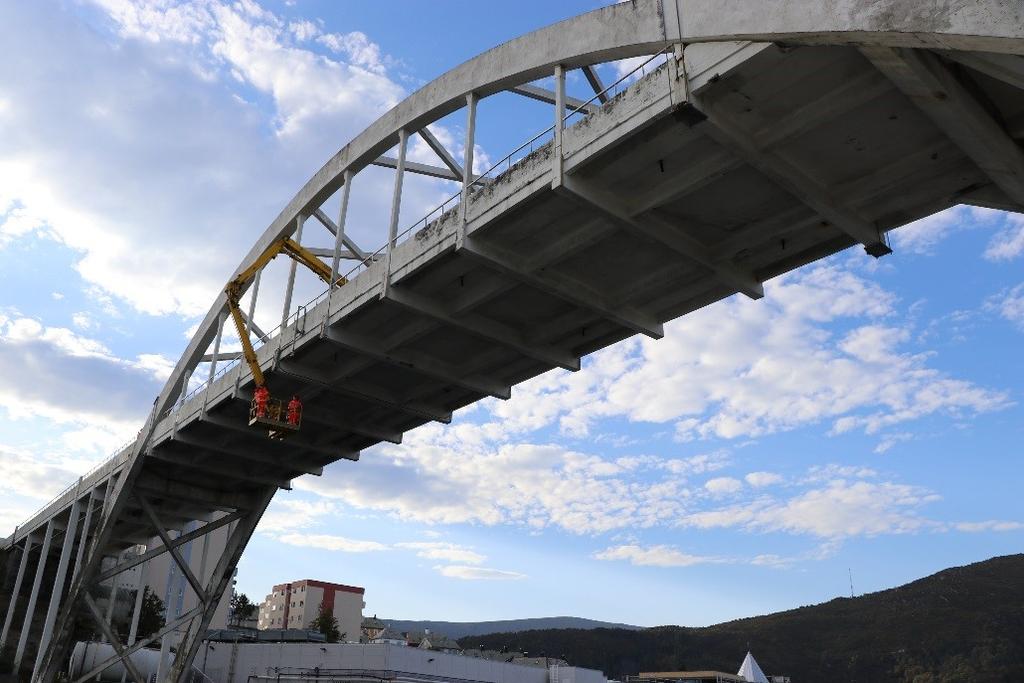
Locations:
(261, 397)
(294, 411)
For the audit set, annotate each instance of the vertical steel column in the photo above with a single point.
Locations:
(396, 206)
(58, 582)
(467, 162)
(17, 589)
(26, 625)
(346, 189)
(84, 538)
(300, 220)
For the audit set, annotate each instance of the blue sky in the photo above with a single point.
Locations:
(864, 416)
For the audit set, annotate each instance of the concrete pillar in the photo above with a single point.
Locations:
(26, 625)
(346, 190)
(300, 220)
(58, 584)
(467, 154)
(252, 299)
(559, 120)
(133, 630)
(84, 539)
(396, 204)
(216, 346)
(17, 589)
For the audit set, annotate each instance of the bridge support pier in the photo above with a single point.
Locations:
(58, 584)
(30, 609)
(17, 590)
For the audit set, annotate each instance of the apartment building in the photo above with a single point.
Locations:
(297, 604)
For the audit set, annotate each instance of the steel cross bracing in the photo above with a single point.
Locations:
(760, 137)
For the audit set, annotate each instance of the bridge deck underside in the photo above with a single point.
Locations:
(547, 275)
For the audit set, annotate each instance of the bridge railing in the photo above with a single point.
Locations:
(494, 172)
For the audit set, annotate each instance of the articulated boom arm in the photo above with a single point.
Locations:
(236, 287)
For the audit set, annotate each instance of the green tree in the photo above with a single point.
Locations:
(327, 624)
(242, 608)
(151, 616)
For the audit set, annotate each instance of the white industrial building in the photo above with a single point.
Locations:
(226, 662)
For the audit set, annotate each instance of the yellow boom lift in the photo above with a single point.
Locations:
(266, 410)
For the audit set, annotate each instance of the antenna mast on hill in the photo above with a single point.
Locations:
(851, 581)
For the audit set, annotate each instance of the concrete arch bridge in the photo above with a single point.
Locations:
(755, 138)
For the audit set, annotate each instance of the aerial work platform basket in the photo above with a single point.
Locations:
(273, 414)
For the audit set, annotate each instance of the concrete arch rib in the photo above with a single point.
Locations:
(629, 29)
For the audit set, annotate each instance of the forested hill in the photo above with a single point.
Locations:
(460, 629)
(962, 624)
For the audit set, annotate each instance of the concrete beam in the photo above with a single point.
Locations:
(326, 221)
(338, 422)
(727, 133)
(548, 96)
(417, 362)
(246, 454)
(285, 449)
(941, 96)
(710, 168)
(441, 151)
(661, 231)
(1003, 67)
(595, 82)
(366, 392)
(865, 87)
(179, 452)
(562, 287)
(481, 327)
(427, 170)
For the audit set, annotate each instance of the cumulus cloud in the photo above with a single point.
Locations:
(449, 552)
(478, 573)
(839, 509)
(720, 485)
(762, 479)
(331, 542)
(58, 374)
(163, 173)
(988, 525)
(654, 556)
(1008, 243)
(285, 514)
(1009, 305)
(746, 369)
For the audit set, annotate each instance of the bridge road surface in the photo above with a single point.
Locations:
(771, 135)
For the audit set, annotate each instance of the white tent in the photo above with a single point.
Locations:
(751, 671)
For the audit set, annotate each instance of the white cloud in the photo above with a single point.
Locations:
(457, 475)
(720, 485)
(654, 556)
(330, 542)
(1008, 243)
(839, 509)
(449, 552)
(165, 173)
(285, 514)
(478, 573)
(58, 374)
(762, 479)
(988, 525)
(1009, 305)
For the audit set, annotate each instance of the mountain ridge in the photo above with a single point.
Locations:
(462, 629)
(960, 624)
